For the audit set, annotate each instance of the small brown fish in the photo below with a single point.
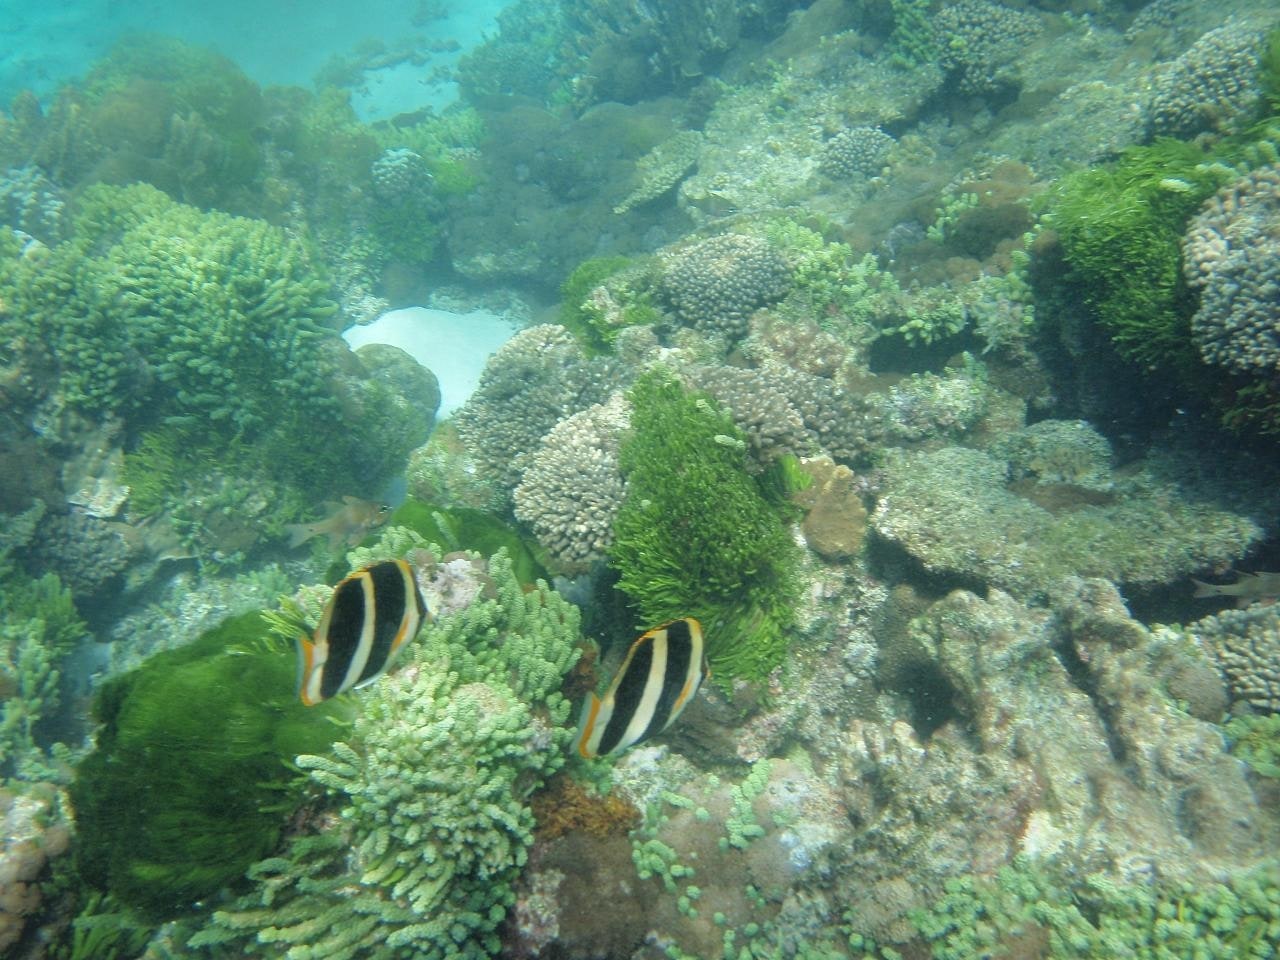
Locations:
(1248, 588)
(347, 523)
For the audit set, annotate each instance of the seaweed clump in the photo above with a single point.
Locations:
(696, 535)
(190, 782)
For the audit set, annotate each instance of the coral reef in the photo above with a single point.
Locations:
(1246, 645)
(662, 168)
(978, 41)
(572, 488)
(430, 790)
(32, 204)
(715, 284)
(34, 830)
(532, 381)
(1212, 87)
(856, 150)
(1231, 255)
(952, 509)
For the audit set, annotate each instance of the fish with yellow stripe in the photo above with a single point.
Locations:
(662, 671)
(372, 615)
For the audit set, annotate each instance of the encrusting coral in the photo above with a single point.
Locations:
(430, 791)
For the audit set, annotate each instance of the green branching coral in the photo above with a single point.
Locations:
(1101, 917)
(432, 786)
(189, 785)
(695, 536)
(156, 308)
(1255, 739)
(38, 627)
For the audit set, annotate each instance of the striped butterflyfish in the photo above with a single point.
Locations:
(660, 675)
(372, 614)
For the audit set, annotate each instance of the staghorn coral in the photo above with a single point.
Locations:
(1246, 645)
(856, 150)
(432, 784)
(572, 488)
(532, 381)
(716, 284)
(1212, 87)
(1231, 254)
(977, 41)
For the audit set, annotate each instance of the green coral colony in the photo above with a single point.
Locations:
(904, 375)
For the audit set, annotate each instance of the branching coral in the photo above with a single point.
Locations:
(716, 283)
(433, 784)
(1213, 86)
(156, 307)
(1232, 256)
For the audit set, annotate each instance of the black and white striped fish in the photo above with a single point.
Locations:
(663, 670)
(373, 613)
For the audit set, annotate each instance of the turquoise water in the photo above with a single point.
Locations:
(866, 412)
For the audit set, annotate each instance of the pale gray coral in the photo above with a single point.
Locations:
(1058, 452)
(759, 403)
(1231, 254)
(1211, 87)
(717, 283)
(925, 406)
(400, 175)
(533, 381)
(572, 487)
(953, 511)
(1246, 644)
(32, 204)
(978, 40)
(856, 150)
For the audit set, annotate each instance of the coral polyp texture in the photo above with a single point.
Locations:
(156, 308)
(1231, 256)
(572, 488)
(716, 284)
(1246, 645)
(978, 41)
(1213, 86)
(531, 382)
(856, 150)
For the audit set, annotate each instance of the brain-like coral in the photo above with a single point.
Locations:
(978, 40)
(399, 174)
(572, 488)
(1211, 86)
(856, 150)
(1231, 254)
(1246, 644)
(716, 284)
(533, 381)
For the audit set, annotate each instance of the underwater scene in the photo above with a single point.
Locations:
(640, 480)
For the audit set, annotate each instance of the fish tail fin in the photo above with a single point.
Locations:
(306, 661)
(1206, 589)
(586, 726)
(299, 533)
